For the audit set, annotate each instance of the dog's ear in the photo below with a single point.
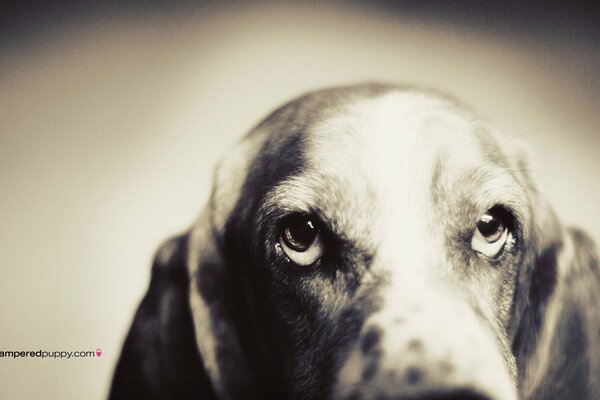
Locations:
(557, 307)
(220, 307)
(184, 340)
(567, 357)
(192, 333)
(160, 359)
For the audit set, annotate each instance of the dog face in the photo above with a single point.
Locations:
(422, 228)
(375, 242)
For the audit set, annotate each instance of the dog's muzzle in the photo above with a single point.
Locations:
(425, 343)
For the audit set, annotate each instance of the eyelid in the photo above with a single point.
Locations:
(307, 258)
(320, 221)
(510, 210)
(490, 250)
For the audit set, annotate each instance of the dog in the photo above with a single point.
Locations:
(370, 242)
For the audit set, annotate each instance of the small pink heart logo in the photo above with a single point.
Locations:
(98, 352)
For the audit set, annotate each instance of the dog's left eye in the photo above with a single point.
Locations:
(301, 240)
(491, 233)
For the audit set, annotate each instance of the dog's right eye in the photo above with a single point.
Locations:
(300, 239)
(491, 232)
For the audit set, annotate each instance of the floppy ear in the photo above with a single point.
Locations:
(195, 329)
(564, 361)
(222, 309)
(160, 359)
(557, 303)
(184, 341)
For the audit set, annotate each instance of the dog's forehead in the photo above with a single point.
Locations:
(376, 161)
(393, 144)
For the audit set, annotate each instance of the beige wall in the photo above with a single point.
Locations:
(110, 126)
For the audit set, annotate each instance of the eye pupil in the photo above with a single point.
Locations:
(299, 233)
(489, 225)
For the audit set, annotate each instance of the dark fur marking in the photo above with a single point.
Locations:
(414, 376)
(160, 358)
(543, 282)
(416, 346)
(370, 340)
(572, 372)
(289, 344)
(370, 369)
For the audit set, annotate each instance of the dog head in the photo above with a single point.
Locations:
(382, 242)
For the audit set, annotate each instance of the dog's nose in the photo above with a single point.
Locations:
(457, 394)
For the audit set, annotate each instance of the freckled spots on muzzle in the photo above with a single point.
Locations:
(391, 365)
(416, 346)
(414, 376)
(370, 340)
(370, 348)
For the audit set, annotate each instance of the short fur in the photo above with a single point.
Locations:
(399, 306)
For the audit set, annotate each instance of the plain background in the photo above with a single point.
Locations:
(112, 116)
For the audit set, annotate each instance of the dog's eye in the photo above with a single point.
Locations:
(300, 240)
(491, 233)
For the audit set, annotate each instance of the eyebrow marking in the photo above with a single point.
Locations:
(344, 208)
(483, 187)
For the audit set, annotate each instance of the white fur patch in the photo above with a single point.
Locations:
(381, 154)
